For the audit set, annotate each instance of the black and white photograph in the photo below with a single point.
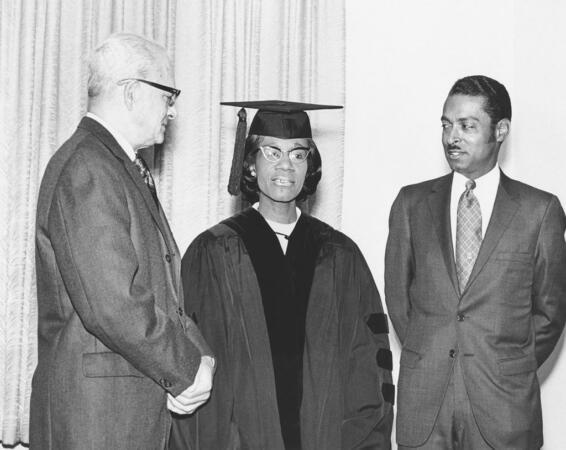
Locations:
(282, 224)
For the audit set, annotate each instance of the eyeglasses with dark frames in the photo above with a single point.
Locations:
(173, 91)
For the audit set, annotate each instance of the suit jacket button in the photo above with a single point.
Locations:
(168, 257)
(165, 383)
(460, 317)
(452, 353)
(181, 312)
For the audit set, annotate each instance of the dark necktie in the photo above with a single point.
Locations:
(468, 234)
(146, 175)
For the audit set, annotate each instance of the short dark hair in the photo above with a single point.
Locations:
(248, 184)
(497, 100)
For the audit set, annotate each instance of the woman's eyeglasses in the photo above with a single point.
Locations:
(296, 155)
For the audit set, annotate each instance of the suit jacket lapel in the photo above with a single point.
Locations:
(439, 204)
(108, 140)
(504, 210)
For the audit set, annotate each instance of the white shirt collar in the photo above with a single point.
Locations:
(488, 181)
(122, 142)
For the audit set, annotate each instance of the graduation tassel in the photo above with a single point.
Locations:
(238, 159)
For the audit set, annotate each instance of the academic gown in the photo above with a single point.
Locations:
(247, 298)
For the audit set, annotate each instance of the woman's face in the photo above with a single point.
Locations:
(281, 181)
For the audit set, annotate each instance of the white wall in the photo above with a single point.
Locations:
(402, 58)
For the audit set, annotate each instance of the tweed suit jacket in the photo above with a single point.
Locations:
(113, 339)
(501, 328)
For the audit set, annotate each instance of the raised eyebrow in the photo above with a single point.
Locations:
(472, 118)
(460, 119)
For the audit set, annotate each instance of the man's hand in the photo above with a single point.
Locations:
(196, 394)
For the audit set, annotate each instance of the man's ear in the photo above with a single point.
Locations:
(502, 129)
(130, 94)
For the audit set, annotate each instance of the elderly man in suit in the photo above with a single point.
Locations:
(116, 350)
(475, 284)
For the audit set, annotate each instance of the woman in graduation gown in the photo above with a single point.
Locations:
(289, 306)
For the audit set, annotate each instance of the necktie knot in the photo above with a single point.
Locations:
(470, 185)
(141, 165)
(146, 175)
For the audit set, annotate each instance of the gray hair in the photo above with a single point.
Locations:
(120, 56)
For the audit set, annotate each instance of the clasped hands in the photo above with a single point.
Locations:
(197, 393)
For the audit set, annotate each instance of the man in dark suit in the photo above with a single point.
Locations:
(475, 284)
(116, 350)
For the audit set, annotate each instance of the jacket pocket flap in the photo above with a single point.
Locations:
(409, 358)
(514, 256)
(108, 364)
(515, 366)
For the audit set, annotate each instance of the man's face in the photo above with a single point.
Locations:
(156, 109)
(471, 144)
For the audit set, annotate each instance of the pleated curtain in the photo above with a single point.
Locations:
(222, 50)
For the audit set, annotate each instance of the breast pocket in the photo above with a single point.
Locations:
(516, 271)
(518, 257)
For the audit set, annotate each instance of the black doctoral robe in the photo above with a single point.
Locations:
(301, 340)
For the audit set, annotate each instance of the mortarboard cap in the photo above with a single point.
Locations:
(276, 118)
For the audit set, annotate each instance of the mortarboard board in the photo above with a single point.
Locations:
(276, 118)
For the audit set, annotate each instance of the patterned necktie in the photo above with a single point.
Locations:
(146, 175)
(468, 234)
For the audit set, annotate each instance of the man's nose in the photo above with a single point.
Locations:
(454, 135)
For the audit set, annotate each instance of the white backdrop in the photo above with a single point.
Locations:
(401, 59)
